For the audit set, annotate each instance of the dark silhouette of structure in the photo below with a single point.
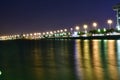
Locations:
(117, 9)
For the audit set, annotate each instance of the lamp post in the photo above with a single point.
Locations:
(95, 25)
(77, 28)
(54, 32)
(109, 21)
(61, 31)
(71, 29)
(85, 27)
(51, 32)
(65, 30)
(58, 31)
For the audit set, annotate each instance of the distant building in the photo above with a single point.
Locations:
(117, 9)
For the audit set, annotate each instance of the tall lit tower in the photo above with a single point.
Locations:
(117, 9)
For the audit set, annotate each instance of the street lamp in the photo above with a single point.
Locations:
(77, 28)
(61, 30)
(71, 29)
(109, 21)
(35, 34)
(51, 32)
(43, 33)
(31, 34)
(39, 33)
(65, 30)
(55, 32)
(47, 33)
(58, 31)
(94, 24)
(85, 27)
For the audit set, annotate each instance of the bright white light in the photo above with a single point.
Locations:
(35, 34)
(30, 34)
(51, 32)
(77, 28)
(54, 31)
(65, 30)
(118, 28)
(94, 24)
(85, 26)
(0, 72)
(39, 33)
(75, 34)
(109, 21)
(104, 30)
(23, 35)
(98, 30)
(47, 32)
(61, 30)
(43, 33)
(58, 31)
(18, 35)
(71, 29)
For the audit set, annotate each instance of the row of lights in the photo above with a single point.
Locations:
(77, 28)
(95, 24)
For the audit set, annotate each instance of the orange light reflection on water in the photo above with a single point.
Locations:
(112, 63)
(36, 55)
(87, 61)
(98, 70)
(78, 59)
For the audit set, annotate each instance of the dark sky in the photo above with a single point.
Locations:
(25, 16)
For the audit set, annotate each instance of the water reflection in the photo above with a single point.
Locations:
(60, 60)
(97, 65)
(118, 52)
(87, 70)
(118, 56)
(53, 63)
(96, 59)
(78, 59)
(112, 65)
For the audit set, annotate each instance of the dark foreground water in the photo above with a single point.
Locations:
(60, 60)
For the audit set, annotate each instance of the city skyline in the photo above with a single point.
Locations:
(39, 16)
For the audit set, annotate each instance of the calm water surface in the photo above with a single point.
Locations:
(60, 60)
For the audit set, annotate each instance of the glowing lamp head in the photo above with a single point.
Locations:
(0, 72)
(109, 21)
(39, 33)
(71, 29)
(65, 30)
(61, 30)
(58, 31)
(31, 34)
(43, 33)
(94, 24)
(77, 27)
(24, 35)
(51, 32)
(35, 34)
(54, 31)
(85, 26)
(47, 32)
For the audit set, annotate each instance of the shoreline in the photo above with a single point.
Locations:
(80, 37)
(90, 37)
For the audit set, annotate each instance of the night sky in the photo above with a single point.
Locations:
(27, 16)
